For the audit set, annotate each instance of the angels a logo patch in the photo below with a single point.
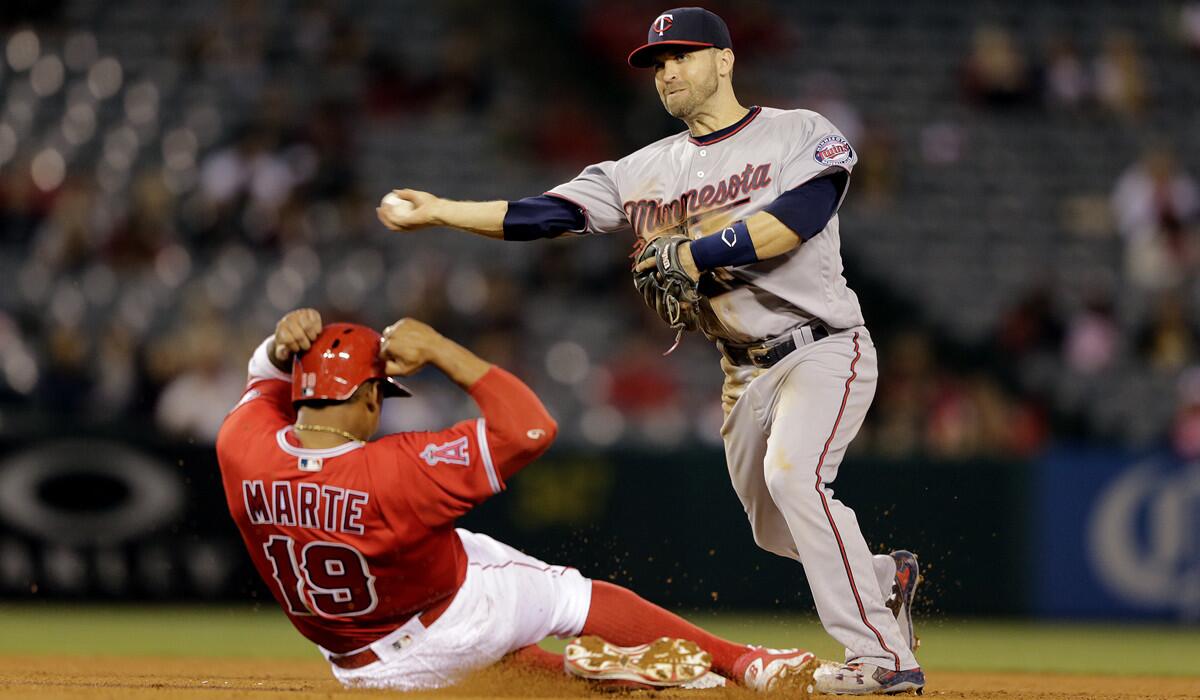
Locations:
(833, 150)
(453, 452)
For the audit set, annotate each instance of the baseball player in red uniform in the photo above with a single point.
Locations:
(356, 539)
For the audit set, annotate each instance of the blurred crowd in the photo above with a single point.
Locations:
(998, 74)
(1129, 334)
(160, 209)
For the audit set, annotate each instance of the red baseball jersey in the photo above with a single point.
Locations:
(356, 539)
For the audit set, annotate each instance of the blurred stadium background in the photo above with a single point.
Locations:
(1024, 232)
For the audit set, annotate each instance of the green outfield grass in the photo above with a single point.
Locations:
(949, 645)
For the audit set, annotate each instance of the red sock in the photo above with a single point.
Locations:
(622, 617)
(534, 656)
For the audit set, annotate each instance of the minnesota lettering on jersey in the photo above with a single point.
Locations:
(314, 506)
(649, 216)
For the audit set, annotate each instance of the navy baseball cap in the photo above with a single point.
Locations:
(686, 27)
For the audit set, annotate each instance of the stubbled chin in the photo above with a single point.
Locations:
(678, 112)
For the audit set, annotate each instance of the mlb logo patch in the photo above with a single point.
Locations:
(453, 452)
(833, 150)
(309, 464)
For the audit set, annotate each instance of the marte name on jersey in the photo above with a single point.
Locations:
(313, 506)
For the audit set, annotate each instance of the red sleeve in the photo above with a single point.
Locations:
(456, 469)
(441, 475)
(265, 407)
(271, 396)
(518, 427)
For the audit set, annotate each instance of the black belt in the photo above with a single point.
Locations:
(769, 353)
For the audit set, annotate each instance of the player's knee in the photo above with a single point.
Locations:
(781, 478)
(774, 544)
(790, 482)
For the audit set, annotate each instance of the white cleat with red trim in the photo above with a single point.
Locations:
(769, 670)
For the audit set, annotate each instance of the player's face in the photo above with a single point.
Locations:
(685, 80)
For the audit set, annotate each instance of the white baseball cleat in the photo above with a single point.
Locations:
(866, 679)
(768, 670)
(662, 663)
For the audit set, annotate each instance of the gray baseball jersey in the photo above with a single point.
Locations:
(699, 186)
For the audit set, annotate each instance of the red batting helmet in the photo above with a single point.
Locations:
(342, 357)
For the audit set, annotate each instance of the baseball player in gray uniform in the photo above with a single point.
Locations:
(755, 190)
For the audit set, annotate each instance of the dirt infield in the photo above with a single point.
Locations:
(259, 679)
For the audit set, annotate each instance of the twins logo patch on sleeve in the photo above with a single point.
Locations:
(833, 150)
(453, 452)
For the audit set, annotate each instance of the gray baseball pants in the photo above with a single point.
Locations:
(785, 437)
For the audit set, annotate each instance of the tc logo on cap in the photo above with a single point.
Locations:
(662, 23)
(690, 27)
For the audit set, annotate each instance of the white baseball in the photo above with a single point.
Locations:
(395, 204)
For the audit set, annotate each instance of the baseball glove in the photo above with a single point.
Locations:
(665, 287)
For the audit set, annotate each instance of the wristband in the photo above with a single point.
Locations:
(729, 247)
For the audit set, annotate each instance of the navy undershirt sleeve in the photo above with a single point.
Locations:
(544, 216)
(807, 209)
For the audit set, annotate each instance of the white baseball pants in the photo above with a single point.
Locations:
(509, 600)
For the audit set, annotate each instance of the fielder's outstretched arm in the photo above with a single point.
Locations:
(544, 216)
(792, 218)
(425, 210)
